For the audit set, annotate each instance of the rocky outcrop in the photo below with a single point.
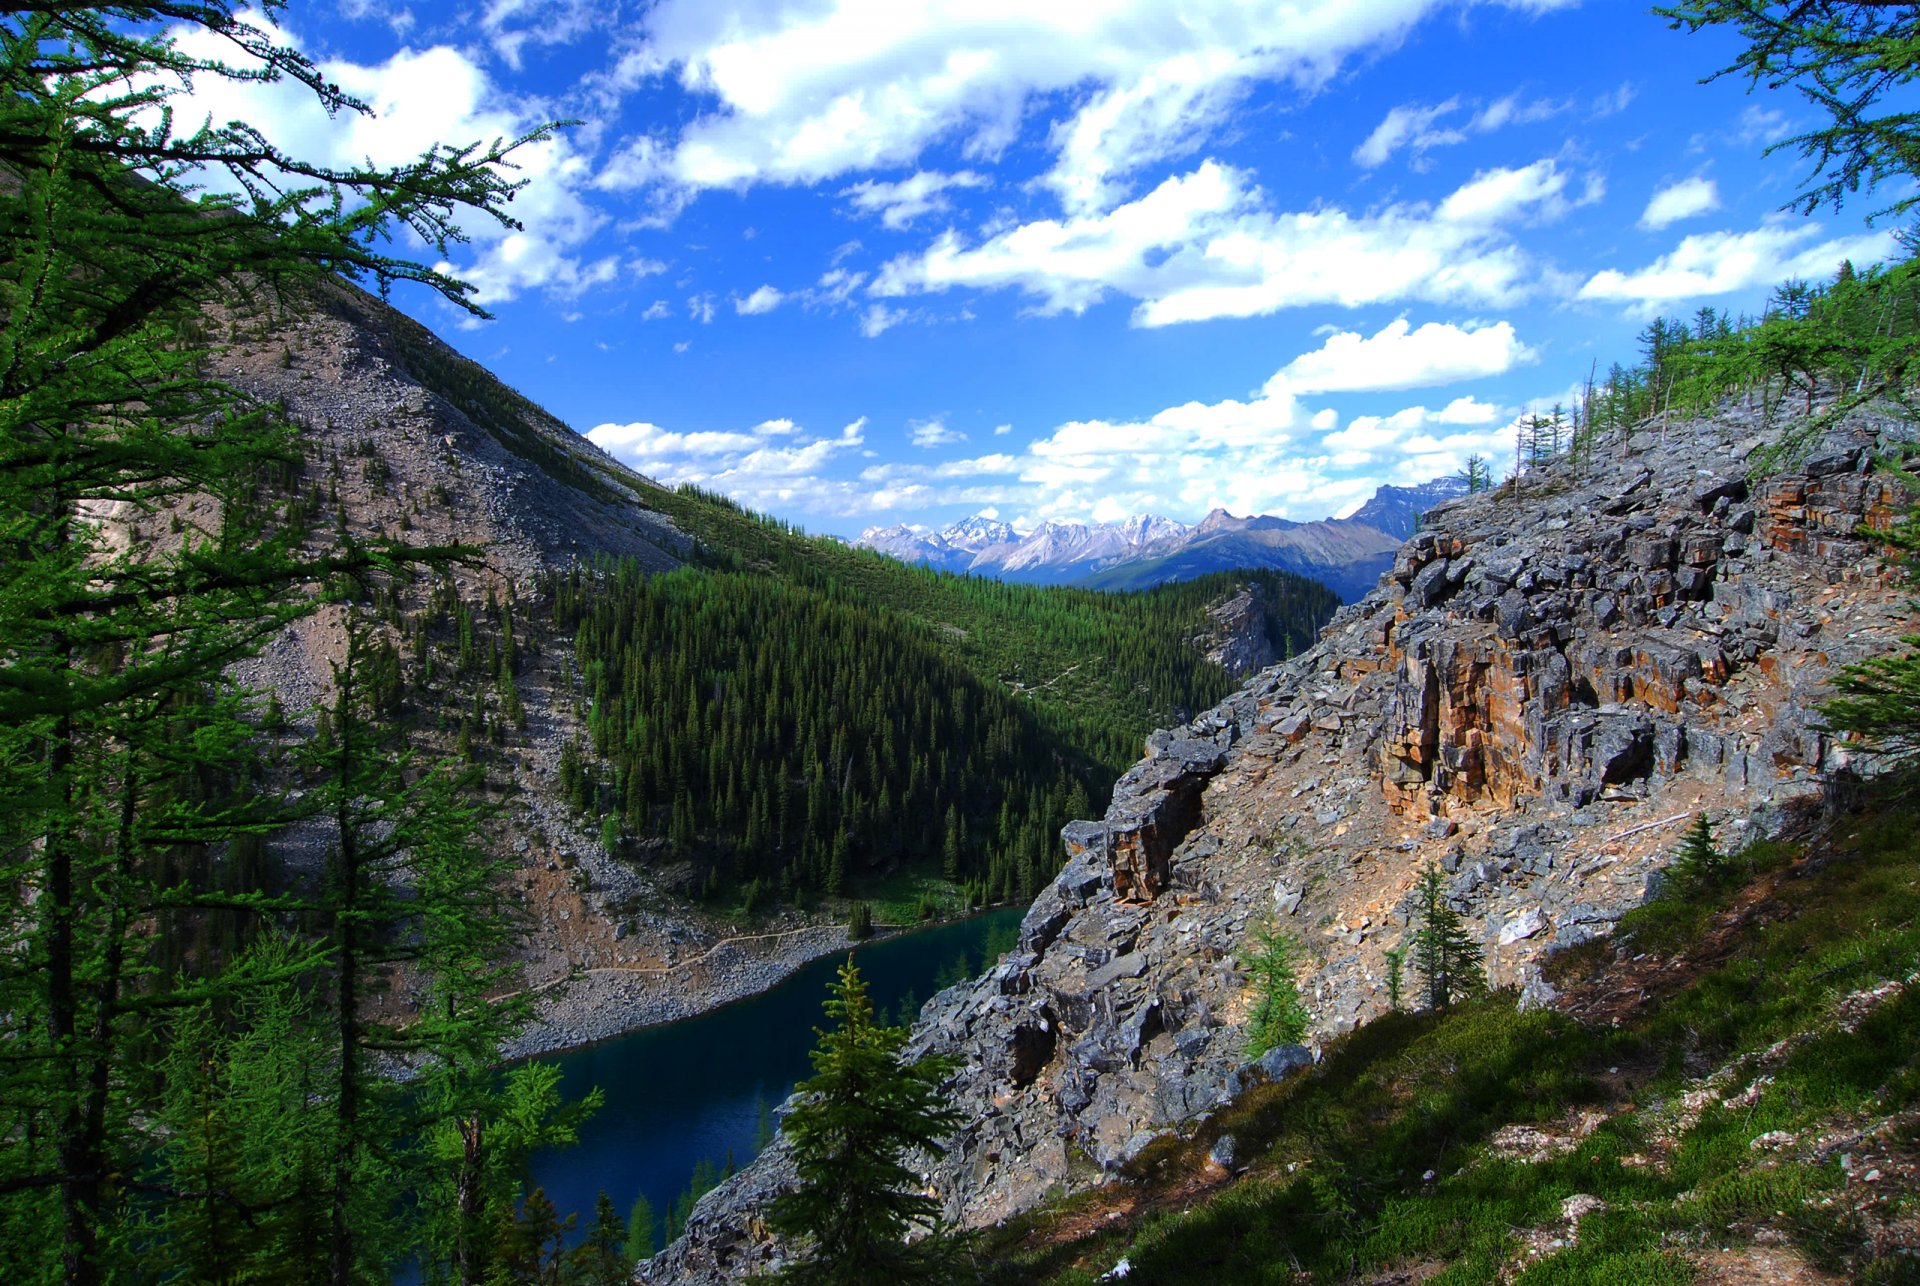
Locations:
(1236, 638)
(1551, 681)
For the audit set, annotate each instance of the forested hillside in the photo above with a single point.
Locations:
(796, 720)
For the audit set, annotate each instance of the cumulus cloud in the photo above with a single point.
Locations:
(935, 433)
(1399, 357)
(878, 319)
(763, 300)
(1717, 263)
(774, 463)
(512, 25)
(800, 94)
(1682, 200)
(899, 204)
(1206, 244)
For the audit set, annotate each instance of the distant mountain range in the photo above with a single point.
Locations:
(1345, 554)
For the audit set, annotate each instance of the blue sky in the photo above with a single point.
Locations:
(868, 261)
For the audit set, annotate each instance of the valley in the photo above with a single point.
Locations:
(453, 835)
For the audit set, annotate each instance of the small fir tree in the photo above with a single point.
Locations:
(601, 1260)
(1396, 975)
(1278, 1017)
(859, 1116)
(1699, 863)
(640, 1221)
(1444, 954)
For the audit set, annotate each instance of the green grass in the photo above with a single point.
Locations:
(898, 899)
(1338, 1190)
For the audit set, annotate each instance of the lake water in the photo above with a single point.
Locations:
(697, 1091)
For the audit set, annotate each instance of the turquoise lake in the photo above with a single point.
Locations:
(696, 1090)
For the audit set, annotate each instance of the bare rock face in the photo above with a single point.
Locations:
(1538, 698)
(1236, 637)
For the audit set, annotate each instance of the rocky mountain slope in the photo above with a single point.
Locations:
(405, 438)
(1551, 682)
(1345, 554)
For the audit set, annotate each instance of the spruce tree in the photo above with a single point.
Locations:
(1444, 953)
(860, 1115)
(1277, 1017)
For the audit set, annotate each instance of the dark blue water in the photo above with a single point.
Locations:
(698, 1091)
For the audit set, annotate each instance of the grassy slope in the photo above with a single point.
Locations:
(1783, 1011)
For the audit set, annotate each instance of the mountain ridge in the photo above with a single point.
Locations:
(1345, 554)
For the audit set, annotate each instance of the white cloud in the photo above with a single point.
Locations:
(935, 433)
(1205, 245)
(1417, 129)
(878, 319)
(1717, 263)
(1682, 200)
(774, 464)
(1399, 357)
(1409, 127)
(899, 204)
(804, 93)
(640, 439)
(1503, 195)
(700, 308)
(512, 25)
(763, 300)
(658, 310)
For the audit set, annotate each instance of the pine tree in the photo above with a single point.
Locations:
(1278, 1017)
(860, 1115)
(1444, 953)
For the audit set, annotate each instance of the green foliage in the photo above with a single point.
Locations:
(1699, 863)
(602, 1260)
(131, 816)
(1476, 475)
(860, 921)
(1396, 958)
(640, 1229)
(1846, 58)
(1277, 1016)
(820, 726)
(1445, 955)
(859, 1116)
(1378, 1159)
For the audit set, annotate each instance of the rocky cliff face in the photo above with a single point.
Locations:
(1236, 637)
(1538, 697)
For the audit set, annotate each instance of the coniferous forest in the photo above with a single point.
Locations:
(792, 736)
